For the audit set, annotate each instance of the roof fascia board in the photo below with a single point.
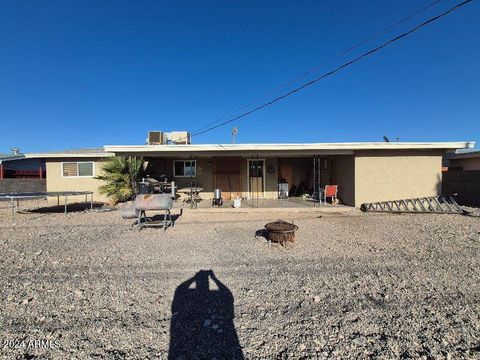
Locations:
(67, 155)
(145, 149)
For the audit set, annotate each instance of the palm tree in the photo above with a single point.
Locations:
(121, 174)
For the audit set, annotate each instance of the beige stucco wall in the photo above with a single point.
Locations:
(343, 175)
(55, 181)
(382, 176)
(271, 179)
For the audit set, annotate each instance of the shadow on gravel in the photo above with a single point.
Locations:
(262, 233)
(72, 207)
(202, 320)
(175, 217)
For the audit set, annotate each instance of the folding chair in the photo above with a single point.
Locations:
(331, 192)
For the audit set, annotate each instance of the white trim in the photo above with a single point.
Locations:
(351, 146)
(464, 155)
(184, 176)
(248, 176)
(67, 155)
(78, 176)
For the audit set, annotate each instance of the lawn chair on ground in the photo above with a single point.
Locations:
(330, 191)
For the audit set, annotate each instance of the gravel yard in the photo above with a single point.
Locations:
(353, 285)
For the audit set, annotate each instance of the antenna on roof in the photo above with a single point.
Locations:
(386, 139)
(234, 134)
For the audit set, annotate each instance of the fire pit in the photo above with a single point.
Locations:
(281, 231)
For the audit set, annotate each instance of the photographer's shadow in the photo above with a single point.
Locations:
(202, 320)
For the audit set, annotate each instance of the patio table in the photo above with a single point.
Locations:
(192, 194)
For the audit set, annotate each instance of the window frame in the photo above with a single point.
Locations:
(78, 170)
(184, 161)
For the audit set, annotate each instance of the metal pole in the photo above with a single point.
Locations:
(256, 179)
(65, 204)
(191, 185)
(196, 185)
(86, 201)
(91, 201)
(314, 181)
(319, 180)
(13, 210)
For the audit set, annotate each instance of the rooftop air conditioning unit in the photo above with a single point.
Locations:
(155, 138)
(181, 137)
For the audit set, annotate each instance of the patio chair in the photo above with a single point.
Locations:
(153, 202)
(330, 191)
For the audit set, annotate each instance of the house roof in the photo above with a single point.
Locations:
(337, 148)
(465, 155)
(347, 148)
(10, 157)
(98, 152)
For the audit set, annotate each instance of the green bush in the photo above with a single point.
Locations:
(121, 174)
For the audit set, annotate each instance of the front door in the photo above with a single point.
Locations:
(256, 178)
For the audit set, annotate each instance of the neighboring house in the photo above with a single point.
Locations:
(19, 167)
(364, 171)
(467, 160)
(461, 176)
(18, 173)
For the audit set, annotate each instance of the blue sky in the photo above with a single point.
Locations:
(89, 73)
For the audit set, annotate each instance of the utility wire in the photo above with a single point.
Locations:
(298, 77)
(341, 67)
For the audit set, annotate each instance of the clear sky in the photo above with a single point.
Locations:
(90, 73)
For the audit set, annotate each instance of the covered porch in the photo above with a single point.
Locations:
(293, 180)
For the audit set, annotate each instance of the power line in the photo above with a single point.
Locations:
(341, 67)
(298, 77)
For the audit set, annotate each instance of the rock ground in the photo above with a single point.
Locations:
(352, 286)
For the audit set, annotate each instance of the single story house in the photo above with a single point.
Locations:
(363, 171)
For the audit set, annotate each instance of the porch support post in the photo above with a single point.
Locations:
(316, 179)
(191, 183)
(319, 167)
(196, 184)
(256, 170)
(1, 171)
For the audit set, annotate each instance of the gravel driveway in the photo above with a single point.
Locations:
(353, 286)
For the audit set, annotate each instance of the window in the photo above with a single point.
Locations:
(256, 168)
(77, 169)
(184, 168)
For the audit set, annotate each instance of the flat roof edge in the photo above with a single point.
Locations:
(309, 146)
(67, 155)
